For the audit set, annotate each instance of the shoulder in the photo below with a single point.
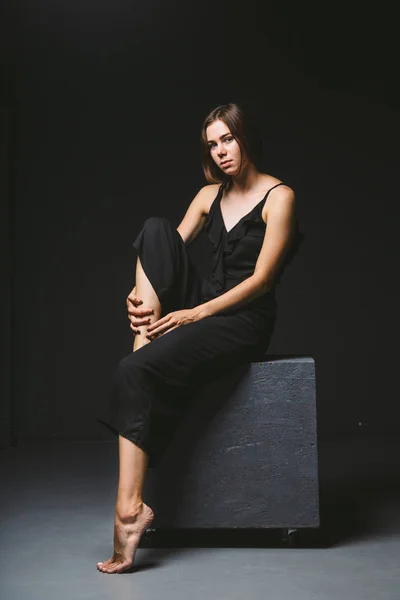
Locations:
(281, 200)
(278, 189)
(284, 193)
(206, 196)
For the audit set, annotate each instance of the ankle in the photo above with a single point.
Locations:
(126, 511)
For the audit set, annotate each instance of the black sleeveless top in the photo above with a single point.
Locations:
(234, 255)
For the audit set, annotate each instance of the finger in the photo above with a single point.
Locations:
(140, 312)
(168, 330)
(161, 321)
(159, 329)
(139, 322)
(134, 300)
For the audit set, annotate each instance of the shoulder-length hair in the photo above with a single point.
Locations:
(242, 128)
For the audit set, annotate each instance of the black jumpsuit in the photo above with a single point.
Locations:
(151, 387)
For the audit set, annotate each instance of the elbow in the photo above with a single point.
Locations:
(263, 285)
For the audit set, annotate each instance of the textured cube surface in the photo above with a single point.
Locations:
(245, 454)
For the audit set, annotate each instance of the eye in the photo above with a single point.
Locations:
(227, 139)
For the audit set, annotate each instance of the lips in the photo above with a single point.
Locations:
(225, 162)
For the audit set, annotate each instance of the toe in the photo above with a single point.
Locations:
(107, 563)
(112, 569)
(124, 567)
(104, 566)
(106, 570)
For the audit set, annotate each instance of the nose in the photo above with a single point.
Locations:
(221, 151)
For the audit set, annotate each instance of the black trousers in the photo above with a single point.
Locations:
(153, 386)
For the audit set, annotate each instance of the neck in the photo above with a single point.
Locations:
(248, 178)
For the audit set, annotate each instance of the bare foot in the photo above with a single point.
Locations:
(127, 534)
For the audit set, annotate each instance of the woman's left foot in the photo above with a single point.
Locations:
(127, 534)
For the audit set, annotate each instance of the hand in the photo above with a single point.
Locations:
(137, 316)
(173, 320)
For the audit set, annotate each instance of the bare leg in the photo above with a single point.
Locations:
(132, 516)
(146, 292)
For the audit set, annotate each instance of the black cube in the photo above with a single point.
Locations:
(245, 454)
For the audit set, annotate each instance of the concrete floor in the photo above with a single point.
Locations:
(57, 502)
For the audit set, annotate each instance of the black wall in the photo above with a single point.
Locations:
(5, 270)
(110, 97)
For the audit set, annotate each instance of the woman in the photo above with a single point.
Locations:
(212, 323)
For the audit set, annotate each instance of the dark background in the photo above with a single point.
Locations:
(102, 105)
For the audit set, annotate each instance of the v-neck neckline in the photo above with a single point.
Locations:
(248, 213)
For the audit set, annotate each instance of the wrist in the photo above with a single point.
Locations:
(202, 311)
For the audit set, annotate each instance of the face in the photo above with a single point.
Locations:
(224, 149)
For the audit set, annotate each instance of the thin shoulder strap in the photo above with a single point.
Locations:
(273, 187)
(216, 200)
(221, 190)
(224, 184)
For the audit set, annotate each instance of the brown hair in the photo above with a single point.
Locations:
(242, 128)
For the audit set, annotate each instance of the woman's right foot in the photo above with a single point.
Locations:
(127, 533)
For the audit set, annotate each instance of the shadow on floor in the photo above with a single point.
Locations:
(359, 498)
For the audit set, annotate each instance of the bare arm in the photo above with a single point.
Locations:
(278, 236)
(280, 215)
(195, 216)
(188, 229)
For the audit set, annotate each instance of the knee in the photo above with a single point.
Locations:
(155, 224)
(138, 371)
(131, 366)
(126, 368)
